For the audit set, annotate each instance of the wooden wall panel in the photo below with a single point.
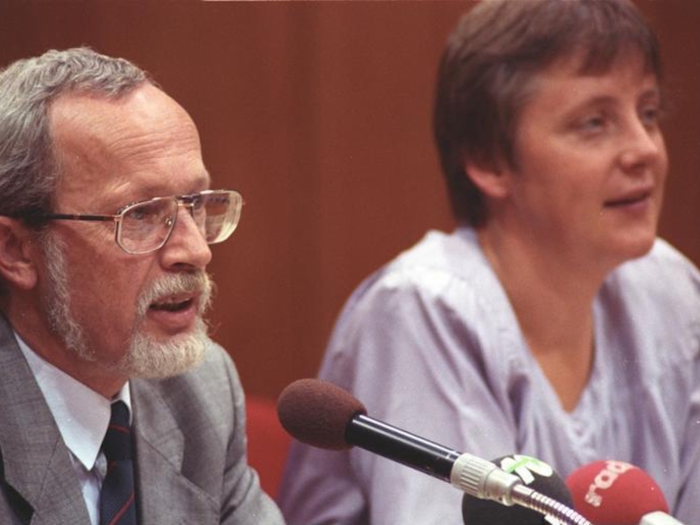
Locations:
(319, 113)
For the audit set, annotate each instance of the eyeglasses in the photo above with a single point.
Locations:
(145, 226)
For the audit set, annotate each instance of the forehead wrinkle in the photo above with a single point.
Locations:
(133, 147)
(148, 147)
(137, 140)
(127, 127)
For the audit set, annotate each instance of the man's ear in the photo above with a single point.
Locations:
(492, 178)
(18, 253)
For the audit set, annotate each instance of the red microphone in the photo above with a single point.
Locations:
(618, 493)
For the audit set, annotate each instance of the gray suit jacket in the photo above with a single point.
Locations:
(190, 450)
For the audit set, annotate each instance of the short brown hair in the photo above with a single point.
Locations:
(486, 70)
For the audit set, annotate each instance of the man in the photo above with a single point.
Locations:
(105, 220)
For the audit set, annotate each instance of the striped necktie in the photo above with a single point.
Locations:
(117, 497)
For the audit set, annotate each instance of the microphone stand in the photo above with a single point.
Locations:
(531, 499)
(471, 474)
(482, 479)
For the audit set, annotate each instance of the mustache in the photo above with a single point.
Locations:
(175, 284)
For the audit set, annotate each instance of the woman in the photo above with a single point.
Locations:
(552, 322)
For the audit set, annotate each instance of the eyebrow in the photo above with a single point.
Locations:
(655, 92)
(651, 93)
(201, 182)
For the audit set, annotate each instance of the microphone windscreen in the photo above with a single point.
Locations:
(316, 412)
(536, 475)
(614, 493)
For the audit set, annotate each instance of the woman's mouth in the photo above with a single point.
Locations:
(629, 200)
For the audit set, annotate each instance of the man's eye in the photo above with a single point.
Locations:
(145, 213)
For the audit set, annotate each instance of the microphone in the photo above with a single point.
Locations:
(618, 493)
(323, 415)
(534, 473)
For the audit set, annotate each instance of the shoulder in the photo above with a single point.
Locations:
(663, 279)
(655, 302)
(446, 270)
(456, 254)
(209, 391)
(438, 302)
(216, 373)
(440, 294)
(662, 259)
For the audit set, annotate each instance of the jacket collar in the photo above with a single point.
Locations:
(35, 461)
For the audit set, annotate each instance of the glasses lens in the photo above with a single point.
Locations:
(217, 213)
(145, 226)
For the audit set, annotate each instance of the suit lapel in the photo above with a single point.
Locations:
(165, 495)
(36, 462)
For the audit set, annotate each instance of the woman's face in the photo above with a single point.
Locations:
(590, 162)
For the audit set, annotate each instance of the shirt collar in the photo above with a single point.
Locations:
(81, 414)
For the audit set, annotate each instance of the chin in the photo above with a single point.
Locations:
(634, 248)
(155, 357)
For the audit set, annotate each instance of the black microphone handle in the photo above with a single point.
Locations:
(401, 446)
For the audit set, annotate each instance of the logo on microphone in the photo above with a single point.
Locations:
(604, 480)
(528, 469)
(525, 467)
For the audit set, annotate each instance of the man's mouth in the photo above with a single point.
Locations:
(174, 304)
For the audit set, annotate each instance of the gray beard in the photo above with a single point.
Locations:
(145, 357)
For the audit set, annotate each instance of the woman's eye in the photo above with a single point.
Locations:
(650, 116)
(592, 124)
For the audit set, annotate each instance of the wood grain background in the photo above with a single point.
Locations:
(320, 114)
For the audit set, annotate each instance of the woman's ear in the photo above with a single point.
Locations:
(492, 178)
(18, 254)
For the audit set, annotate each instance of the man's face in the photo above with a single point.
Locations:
(131, 315)
(145, 356)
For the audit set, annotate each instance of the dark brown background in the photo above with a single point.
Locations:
(319, 113)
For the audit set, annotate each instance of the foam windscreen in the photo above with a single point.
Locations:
(614, 493)
(317, 412)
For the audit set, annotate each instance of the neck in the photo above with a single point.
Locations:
(26, 319)
(553, 302)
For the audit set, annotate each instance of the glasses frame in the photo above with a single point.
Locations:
(186, 201)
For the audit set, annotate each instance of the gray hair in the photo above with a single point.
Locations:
(29, 171)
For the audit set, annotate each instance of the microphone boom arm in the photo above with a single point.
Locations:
(403, 447)
(471, 474)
